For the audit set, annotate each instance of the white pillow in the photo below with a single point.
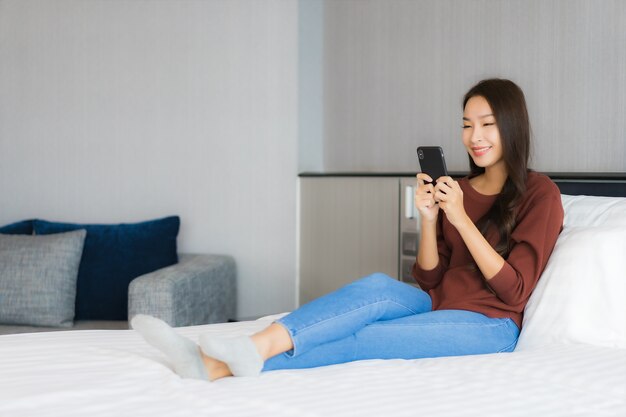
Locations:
(581, 296)
(582, 210)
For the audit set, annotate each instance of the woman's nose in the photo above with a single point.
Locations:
(477, 135)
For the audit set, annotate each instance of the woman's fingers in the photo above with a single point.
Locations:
(445, 183)
(446, 189)
(424, 199)
(424, 178)
(424, 188)
(440, 196)
(424, 196)
(441, 190)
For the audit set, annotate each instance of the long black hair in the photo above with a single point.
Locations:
(508, 105)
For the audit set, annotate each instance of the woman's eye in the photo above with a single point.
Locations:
(489, 124)
(466, 127)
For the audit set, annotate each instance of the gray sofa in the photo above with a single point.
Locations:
(199, 289)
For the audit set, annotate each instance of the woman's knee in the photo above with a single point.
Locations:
(377, 281)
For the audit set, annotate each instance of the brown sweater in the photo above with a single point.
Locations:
(457, 284)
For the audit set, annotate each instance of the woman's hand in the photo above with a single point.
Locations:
(450, 197)
(425, 198)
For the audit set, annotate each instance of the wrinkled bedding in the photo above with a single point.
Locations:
(115, 373)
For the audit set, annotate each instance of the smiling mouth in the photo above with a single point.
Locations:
(481, 151)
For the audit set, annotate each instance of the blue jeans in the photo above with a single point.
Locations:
(378, 317)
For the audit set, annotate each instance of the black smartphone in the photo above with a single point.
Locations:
(432, 161)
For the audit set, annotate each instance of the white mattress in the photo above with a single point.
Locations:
(114, 373)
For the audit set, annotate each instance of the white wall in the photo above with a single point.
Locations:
(121, 111)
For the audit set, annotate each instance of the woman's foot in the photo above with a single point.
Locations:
(183, 353)
(238, 354)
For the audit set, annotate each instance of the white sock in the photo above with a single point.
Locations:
(239, 353)
(182, 352)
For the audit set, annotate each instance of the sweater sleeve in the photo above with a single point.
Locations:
(533, 239)
(428, 279)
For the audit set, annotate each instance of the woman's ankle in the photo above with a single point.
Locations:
(215, 369)
(272, 341)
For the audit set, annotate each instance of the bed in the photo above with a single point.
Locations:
(570, 359)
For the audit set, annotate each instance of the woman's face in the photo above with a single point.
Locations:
(481, 135)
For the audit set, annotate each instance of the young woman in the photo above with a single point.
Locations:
(485, 240)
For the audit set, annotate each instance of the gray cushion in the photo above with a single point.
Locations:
(38, 278)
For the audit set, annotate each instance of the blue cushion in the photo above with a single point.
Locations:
(113, 255)
(19, 228)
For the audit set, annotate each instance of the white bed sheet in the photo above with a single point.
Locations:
(114, 373)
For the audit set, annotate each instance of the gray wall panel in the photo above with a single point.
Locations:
(396, 71)
(349, 229)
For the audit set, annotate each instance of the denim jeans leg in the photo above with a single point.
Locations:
(346, 311)
(426, 335)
